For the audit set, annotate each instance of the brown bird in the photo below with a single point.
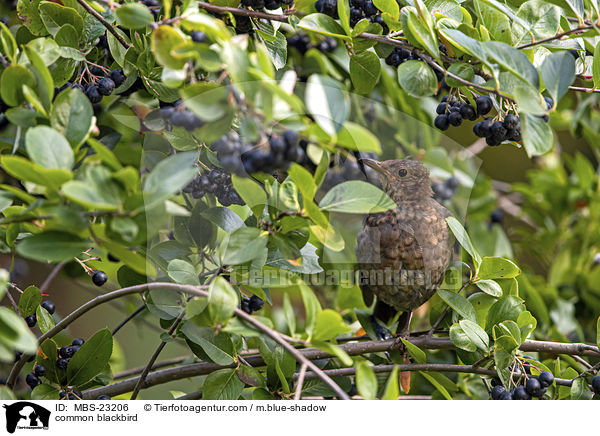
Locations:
(403, 253)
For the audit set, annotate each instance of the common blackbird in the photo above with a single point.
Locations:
(403, 253)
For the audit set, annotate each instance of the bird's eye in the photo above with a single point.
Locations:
(402, 172)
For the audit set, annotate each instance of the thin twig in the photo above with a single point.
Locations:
(582, 29)
(52, 276)
(244, 12)
(300, 382)
(142, 378)
(105, 23)
(137, 311)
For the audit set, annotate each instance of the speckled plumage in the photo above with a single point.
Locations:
(402, 254)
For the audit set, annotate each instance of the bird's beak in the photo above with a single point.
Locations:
(376, 165)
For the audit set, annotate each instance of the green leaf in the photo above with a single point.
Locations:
(365, 69)
(334, 350)
(26, 170)
(29, 301)
(476, 334)
(223, 384)
(329, 325)
(579, 389)
(303, 180)
(45, 392)
(134, 16)
(327, 103)
(437, 385)
(356, 137)
(392, 391)
(54, 16)
(513, 60)
(44, 82)
(97, 191)
(183, 272)
(389, 6)
(463, 238)
(596, 66)
(11, 84)
(311, 307)
(243, 245)
(366, 382)
(164, 39)
(44, 319)
(462, 70)
(223, 217)
(205, 338)
(558, 73)
(222, 301)
(419, 31)
(343, 9)
(415, 352)
(464, 43)
(356, 197)
(251, 376)
(48, 148)
(71, 115)
(251, 192)
(91, 359)
(168, 177)
(8, 43)
(4, 279)
(490, 287)
(15, 334)
(417, 78)
(460, 304)
(598, 332)
(537, 135)
(324, 24)
(460, 339)
(497, 268)
(506, 308)
(52, 246)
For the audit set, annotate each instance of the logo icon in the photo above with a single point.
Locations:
(26, 415)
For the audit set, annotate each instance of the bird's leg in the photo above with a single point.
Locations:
(403, 330)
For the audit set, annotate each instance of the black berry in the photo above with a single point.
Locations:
(198, 36)
(533, 387)
(511, 121)
(455, 118)
(39, 370)
(99, 278)
(62, 363)
(118, 77)
(49, 306)
(521, 394)
(484, 104)
(32, 380)
(78, 342)
(596, 384)
(106, 86)
(93, 94)
(441, 122)
(546, 378)
(31, 320)
(65, 352)
(497, 392)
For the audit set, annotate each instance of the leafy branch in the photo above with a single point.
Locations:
(105, 23)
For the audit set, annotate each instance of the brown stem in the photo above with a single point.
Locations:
(244, 12)
(105, 23)
(351, 348)
(582, 29)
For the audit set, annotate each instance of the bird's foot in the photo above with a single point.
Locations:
(402, 332)
(382, 333)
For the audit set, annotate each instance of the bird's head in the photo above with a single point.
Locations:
(402, 179)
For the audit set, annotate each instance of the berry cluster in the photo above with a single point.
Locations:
(359, 9)
(495, 132)
(103, 87)
(243, 25)
(252, 304)
(31, 320)
(443, 192)
(178, 116)
(217, 182)
(398, 56)
(266, 4)
(301, 42)
(533, 387)
(452, 111)
(349, 169)
(65, 353)
(240, 157)
(33, 378)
